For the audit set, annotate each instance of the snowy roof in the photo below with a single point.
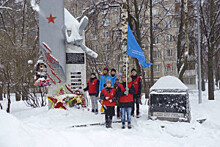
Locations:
(170, 83)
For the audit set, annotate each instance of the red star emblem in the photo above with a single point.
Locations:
(61, 100)
(51, 18)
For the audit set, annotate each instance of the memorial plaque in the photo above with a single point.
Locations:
(75, 58)
(169, 100)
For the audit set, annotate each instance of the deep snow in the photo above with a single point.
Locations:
(40, 127)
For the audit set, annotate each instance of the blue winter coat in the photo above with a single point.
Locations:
(113, 80)
(102, 81)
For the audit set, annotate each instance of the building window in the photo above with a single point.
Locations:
(169, 67)
(117, 9)
(189, 81)
(168, 10)
(154, 1)
(154, 12)
(155, 41)
(120, 57)
(105, 11)
(106, 22)
(117, 19)
(155, 54)
(118, 32)
(169, 53)
(156, 68)
(139, 7)
(72, 10)
(169, 38)
(168, 24)
(95, 47)
(106, 46)
(93, 37)
(154, 25)
(105, 34)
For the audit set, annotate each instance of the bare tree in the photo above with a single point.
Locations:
(210, 23)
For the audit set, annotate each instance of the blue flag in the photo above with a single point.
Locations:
(134, 50)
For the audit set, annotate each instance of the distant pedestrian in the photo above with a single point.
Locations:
(93, 88)
(108, 97)
(125, 94)
(136, 81)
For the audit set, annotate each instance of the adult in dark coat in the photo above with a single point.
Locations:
(136, 80)
(93, 88)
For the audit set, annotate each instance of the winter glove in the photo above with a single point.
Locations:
(115, 85)
(126, 92)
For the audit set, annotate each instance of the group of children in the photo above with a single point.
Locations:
(113, 91)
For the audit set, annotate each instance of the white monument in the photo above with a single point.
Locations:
(62, 41)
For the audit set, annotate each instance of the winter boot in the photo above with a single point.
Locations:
(129, 125)
(138, 115)
(123, 125)
(96, 111)
(107, 124)
(93, 110)
(110, 123)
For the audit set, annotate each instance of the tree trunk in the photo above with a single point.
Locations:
(17, 96)
(186, 51)
(217, 72)
(151, 46)
(202, 67)
(9, 98)
(210, 54)
(180, 37)
(1, 92)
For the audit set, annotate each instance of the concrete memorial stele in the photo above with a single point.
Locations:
(169, 100)
(62, 42)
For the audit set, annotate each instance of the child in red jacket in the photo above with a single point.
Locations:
(108, 97)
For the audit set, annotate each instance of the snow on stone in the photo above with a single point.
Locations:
(168, 82)
(35, 5)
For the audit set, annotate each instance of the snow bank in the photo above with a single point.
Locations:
(27, 127)
(169, 82)
(10, 130)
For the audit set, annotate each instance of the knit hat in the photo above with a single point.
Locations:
(93, 73)
(133, 69)
(106, 68)
(108, 81)
(113, 70)
(119, 74)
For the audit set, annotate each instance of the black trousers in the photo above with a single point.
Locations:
(118, 111)
(135, 102)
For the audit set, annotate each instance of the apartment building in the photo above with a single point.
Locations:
(103, 35)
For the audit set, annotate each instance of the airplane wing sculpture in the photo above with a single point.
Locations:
(76, 28)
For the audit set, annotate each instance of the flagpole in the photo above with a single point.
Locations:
(124, 22)
(126, 72)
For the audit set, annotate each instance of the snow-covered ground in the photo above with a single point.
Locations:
(40, 127)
